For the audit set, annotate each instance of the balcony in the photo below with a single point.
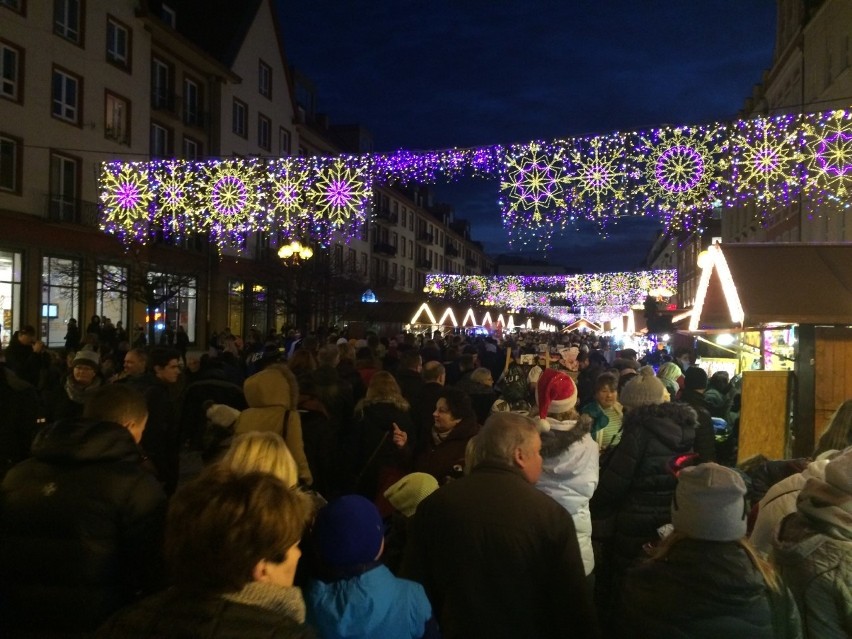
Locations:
(422, 236)
(162, 100)
(384, 248)
(194, 117)
(383, 280)
(452, 251)
(387, 216)
(71, 210)
(424, 264)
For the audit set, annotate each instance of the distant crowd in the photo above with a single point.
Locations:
(288, 485)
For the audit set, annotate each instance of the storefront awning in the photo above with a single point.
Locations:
(755, 285)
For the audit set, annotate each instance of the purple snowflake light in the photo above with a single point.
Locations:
(229, 195)
(339, 193)
(127, 195)
(679, 168)
(834, 154)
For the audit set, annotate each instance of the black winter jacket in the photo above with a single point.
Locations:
(636, 483)
(80, 529)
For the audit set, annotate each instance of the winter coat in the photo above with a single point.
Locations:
(372, 604)
(705, 434)
(336, 393)
(780, 501)
(636, 485)
(373, 443)
(499, 558)
(600, 422)
(80, 528)
(570, 475)
(705, 589)
(813, 552)
(18, 419)
(410, 383)
(270, 394)
(446, 459)
(161, 439)
(258, 611)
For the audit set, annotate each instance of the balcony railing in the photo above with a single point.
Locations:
(424, 264)
(71, 210)
(452, 251)
(163, 100)
(425, 237)
(384, 248)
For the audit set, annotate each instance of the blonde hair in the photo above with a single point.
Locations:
(383, 388)
(770, 577)
(262, 451)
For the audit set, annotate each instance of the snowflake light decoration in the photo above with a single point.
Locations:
(177, 205)
(765, 156)
(532, 181)
(340, 192)
(125, 197)
(287, 183)
(598, 177)
(830, 152)
(681, 170)
(233, 198)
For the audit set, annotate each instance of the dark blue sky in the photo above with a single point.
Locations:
(432, 74)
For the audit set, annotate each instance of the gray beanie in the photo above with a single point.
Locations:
(644, 389)
(710, 503)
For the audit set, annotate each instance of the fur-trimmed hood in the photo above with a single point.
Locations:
(554, 441)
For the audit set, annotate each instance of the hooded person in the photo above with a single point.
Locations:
(405, 495)
(82, 381)
(272, 396)
(636, 486)
(355, 595)
(705, 579)
(695, 383)
(812, 550)
(570, 456)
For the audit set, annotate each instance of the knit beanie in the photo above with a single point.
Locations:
(408, 492)
(695, 378)
(838, 472)
(644, 389)
(710, 503)
(348, 531)
(87, 357)
(555, 393)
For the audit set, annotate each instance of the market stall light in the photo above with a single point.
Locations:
(725, 339)
(424, 308)
(449, 314)
(717, 263)
(486, 319)
(469, 318)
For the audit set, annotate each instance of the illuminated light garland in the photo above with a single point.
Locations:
(718, 263)
(677, 175)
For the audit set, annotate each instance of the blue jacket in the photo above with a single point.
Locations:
(372, 604)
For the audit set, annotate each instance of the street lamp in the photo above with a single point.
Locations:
(295, 250)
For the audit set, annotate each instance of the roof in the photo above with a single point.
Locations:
(752, 285)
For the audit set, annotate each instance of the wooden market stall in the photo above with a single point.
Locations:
(790, 306)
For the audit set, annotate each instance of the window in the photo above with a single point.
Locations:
(10, 163)
(111, 293)
(168, 15)
(192, 103)
(67, 20)
(11, 63)
(64, 187)
(191, 148)
(236, 306)
(240, 118)
(118, 43)
(15, 5)
(283, 141)
(179, 293)
(60, 287)
(264, 79)
(10, 294)
(66, 96)
(160, 141)
(264, 132)
(161, 85)
(117, 118)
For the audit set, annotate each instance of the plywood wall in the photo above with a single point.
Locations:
(833, 374)
(764, 428)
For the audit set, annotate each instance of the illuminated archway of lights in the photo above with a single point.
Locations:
(678, 175)
(765, 158)
(339, 193)
(533, 181)
(831, 152)
(127, 197)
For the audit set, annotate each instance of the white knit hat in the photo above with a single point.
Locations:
(710, 503)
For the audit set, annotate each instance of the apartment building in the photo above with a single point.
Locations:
(82, 83)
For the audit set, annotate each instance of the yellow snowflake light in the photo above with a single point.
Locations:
(598, 179)
(231, 195)
(533, 181)
(287, 185)
(340, 192)
(765, 157)
(830, 152)
(125, 196)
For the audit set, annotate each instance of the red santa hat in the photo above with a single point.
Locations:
(555, 393)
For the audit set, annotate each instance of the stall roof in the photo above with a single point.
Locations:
(753, 285)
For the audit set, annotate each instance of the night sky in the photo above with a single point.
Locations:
(434, 74)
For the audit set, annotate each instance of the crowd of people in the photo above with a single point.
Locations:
(416, 486)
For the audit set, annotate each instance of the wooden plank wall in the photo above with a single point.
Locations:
(833, 369)
(764, 428)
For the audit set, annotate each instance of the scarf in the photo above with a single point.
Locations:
(77, 393)
(284, 600)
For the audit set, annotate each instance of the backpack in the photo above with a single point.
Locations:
(514, 384)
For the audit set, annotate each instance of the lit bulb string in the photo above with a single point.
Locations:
(674, 174)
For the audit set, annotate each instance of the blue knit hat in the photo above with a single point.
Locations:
(348, 532)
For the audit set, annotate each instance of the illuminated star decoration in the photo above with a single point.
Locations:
(597, 178)
(680, 172)
(765, 160)
(830, 153)
(288, 182)
(176, 212)
(125, 198)
(232, 195)
(339, 194)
